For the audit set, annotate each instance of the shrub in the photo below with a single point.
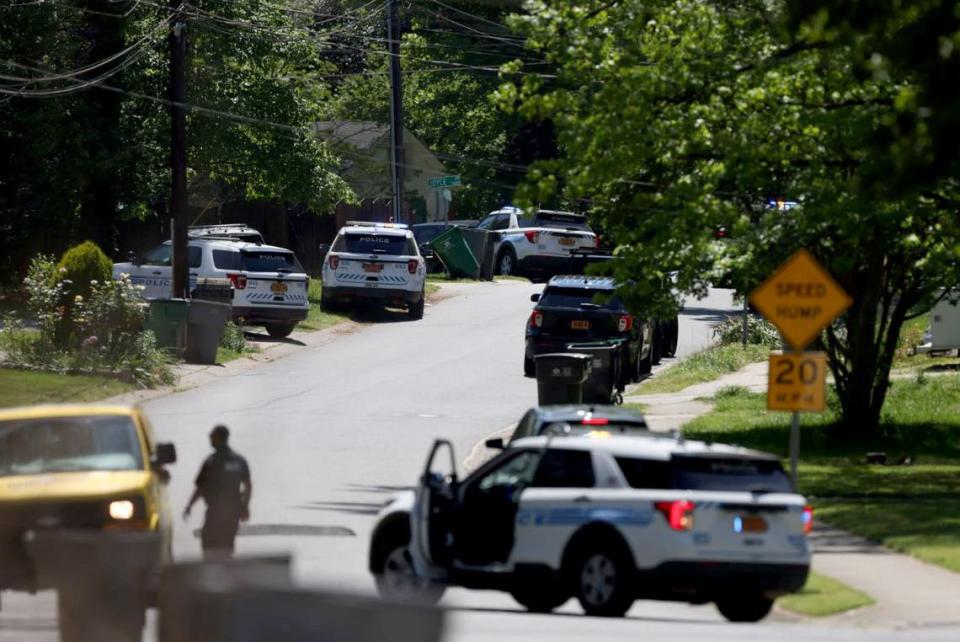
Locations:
(82, 267)
(233, 337)
(759, 332)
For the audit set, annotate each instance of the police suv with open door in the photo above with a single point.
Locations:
(604, 517)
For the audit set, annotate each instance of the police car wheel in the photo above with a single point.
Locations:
(744, 607)
(602, 582)
(540, 599)
(507, 263)
(415, 310)
(399, 581)
(280, 330)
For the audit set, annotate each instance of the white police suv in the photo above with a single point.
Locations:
(269, 285)
(540, 245)
(377, 262)
(604, 517)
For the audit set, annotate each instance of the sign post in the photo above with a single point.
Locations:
(801, 299)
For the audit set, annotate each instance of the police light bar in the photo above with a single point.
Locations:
(395, 226)
(783, 206)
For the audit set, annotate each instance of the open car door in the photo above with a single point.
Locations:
(434, 508)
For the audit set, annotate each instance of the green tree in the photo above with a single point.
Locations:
(677, 117)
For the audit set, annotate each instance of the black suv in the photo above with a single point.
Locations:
(580, 308)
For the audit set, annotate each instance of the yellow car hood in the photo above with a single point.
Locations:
(73, 485)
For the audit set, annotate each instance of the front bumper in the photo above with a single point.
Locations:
(256, 315)
(350, 293)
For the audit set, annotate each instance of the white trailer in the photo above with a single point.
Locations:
(943, 333)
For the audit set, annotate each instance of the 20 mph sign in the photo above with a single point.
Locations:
(801, 299)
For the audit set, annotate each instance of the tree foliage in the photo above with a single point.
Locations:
(678, 117)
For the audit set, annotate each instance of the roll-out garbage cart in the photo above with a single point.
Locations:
(451, 248)
(167, 319)
(605, 382)
(560, 377)
(205, 329)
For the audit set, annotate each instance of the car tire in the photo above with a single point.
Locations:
(744, 607)
(393, 570)
(672, 337)
(601, 575)
(539, 599)
(507, 262)
(529, 368)
(415, 310)
(656, 348)
(328, 304)
(644, 364)
(280, 330)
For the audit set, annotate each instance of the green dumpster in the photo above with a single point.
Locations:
(168, 322)
(452, 249)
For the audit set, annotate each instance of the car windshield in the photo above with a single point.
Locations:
(267, 261)
(162, 255)
(391, 244)
(742, 474)
(575, 297)
(68, 444)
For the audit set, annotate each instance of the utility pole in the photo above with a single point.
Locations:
(178, 150)
(396, 110)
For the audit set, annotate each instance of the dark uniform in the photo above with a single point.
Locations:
(219, 482)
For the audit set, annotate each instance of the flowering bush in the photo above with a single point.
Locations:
(759, 332)
(98, 333)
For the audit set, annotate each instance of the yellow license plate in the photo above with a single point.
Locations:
(751, 524)
(278, 287)
(566, 241)
(374, 268)
(579, 324)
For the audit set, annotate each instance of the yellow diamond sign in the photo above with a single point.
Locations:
(801, 299)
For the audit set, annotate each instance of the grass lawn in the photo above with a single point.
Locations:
(824, 596)
(914, 509)
(703, 366)
(23, 387)
(317, 319)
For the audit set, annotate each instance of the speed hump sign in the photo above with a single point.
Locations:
(797, 382)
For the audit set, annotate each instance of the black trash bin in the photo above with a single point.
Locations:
(604, 383)
(205, 323)
(560, 377)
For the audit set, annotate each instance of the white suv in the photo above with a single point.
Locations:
(538, 246)
(603, 517)
(375, 262)
(269, 285)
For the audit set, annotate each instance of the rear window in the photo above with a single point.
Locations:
(706, 473)
(557, 221)
(573, 297)
(389, 244)
(267, 261)
(709, 473)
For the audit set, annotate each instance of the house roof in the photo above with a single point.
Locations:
(361, 134)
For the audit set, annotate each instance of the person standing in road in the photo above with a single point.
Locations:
(224, 483)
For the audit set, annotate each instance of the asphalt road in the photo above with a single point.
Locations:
(331, 431)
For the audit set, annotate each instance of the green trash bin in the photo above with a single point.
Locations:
(167, 320)
(604, 383)
(452, 249)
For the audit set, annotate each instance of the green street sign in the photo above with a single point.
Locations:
(444, 181)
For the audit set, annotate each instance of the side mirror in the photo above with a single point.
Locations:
(496, 444)
(165, 454)
(133, 258)
(535, 297)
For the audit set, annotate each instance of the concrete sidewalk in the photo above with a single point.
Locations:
(908, 593)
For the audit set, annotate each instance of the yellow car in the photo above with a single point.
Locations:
(80, 469)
